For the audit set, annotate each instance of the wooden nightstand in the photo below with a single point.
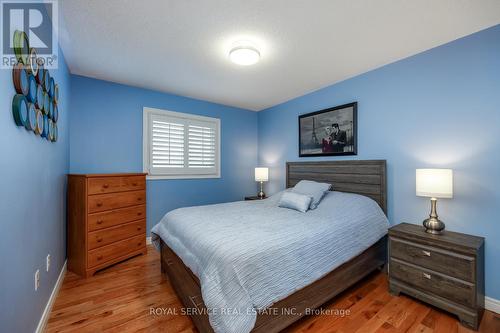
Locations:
(445, 270)
(254, 197)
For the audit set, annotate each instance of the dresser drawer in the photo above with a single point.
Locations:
(102, 202)
(111, 218)
(115, 250)
(101, 185)
(441, 285)
(110, 235)
(452, 264)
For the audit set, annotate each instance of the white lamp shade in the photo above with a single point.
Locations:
(434, 183)
(261, 174)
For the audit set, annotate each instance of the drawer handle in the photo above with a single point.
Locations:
(139, 244)
(139, 199)
(99, 204)
(139, 214)
(99, 257)
(134, 184)
(426, 253)
(139, 228)
(105, 185)
(99, 240)
(99, 221)
(427, 276)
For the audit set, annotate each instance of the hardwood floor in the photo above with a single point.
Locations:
(120, 298)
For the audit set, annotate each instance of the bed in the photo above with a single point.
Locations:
(243, 255)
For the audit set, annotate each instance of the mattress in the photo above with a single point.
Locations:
(251, 254)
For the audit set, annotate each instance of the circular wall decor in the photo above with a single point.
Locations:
(56, 93)
(52, 87)
(39, 122)
(41, 72)
(55, 133)
(46, 104)
(21, 46)
(20, 79)
(45, 131)
(46, 80)
(35, 104)
(32, 93)
(30, 125)
(39, 97)
(20, 109)
(32, 62)
(55, 116)
(51, 130)
(51, 110)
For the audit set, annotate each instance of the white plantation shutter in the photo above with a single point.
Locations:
(179, 145)
(167, 144)
(201, 140)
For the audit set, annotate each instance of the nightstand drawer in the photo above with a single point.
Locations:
(461, 292)
(452, 264)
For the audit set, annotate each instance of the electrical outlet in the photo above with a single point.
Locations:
(37, 279)
(48, 262)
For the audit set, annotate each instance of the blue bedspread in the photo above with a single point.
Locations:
(251, 254)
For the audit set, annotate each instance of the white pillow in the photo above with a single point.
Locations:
(313, 189)
(295, 201)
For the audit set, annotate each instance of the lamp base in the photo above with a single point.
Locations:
(433, 226)
(261, 193)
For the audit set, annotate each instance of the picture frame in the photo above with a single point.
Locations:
(329, 132)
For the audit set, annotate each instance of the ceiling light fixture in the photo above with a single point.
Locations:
(244, 53)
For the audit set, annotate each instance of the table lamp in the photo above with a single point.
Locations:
(434, 183)
(261, 175)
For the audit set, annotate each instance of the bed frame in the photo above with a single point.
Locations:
(362, 177)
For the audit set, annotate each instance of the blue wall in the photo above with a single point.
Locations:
(32, 208)
(106, 136)
(440, 108)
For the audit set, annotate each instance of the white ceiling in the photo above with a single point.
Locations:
(181, 46)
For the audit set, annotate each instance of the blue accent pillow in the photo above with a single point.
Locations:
(313, 189)
(295, 201)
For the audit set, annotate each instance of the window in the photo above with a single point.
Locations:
(180, 145)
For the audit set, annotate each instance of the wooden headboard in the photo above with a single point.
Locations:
(357, 176)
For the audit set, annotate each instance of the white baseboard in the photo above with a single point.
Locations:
(492, 304)
(46, 313)
(148, 241)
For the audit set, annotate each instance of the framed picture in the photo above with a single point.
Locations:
(329, 132)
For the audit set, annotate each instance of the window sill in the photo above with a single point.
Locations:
(160, 177)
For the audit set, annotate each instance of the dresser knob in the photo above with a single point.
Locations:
(139, 244)
(139, 228)
(134, 184)
(139, 199)
(105, 185)
(99, 204)
(139, 214)
(427, 276)
(99, 257)
(99, 221)
(99, 240)
(426, 253)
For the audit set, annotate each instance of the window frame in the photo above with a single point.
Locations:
(184, 172)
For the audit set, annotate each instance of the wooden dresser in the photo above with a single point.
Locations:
(445, 270)
(106, 220)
